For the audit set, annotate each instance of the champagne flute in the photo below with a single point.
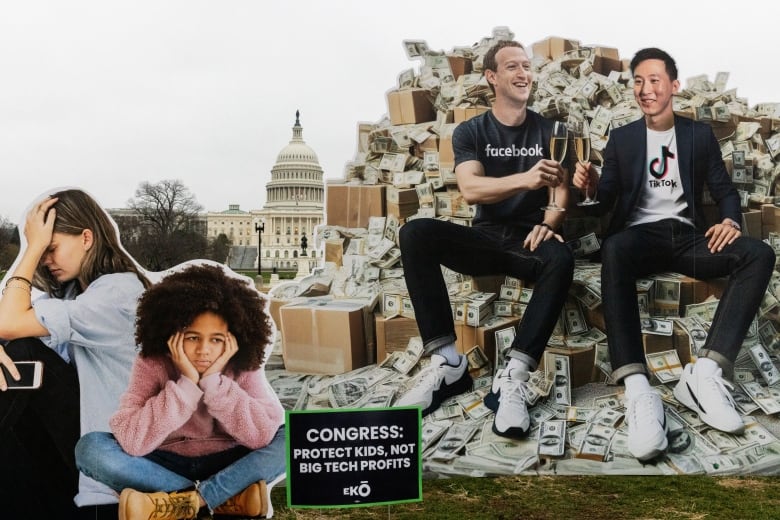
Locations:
(558, 143)
(582, 148)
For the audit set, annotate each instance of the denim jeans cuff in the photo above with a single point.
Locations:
(440, 341)
(525, 358)
(725, 364)
(626, 370)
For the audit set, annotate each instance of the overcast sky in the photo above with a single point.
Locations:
(105, 94)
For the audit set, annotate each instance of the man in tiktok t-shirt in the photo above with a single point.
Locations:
(654, 173)
(503, 165)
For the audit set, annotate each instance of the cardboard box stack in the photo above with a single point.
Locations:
(404, 169)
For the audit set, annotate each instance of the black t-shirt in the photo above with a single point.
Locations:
(504, 150)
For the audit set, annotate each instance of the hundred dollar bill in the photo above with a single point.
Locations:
(575, 319)
(665, 365)
(552, 438)
(768, 335)
(696, 330)
(415, 48)
(450, 409)
(742, 401)
(742, 375)
(587, 340)
(477, 358)
(704, 310)
(410, 357)
(391, 305)
(755, 432)
(473, 405)
(657, 326)
(612, 401)
(764, 364)
(579, 414)
(347, 392)
(431, 431)
(510, 293)
(606, 417)
(454, 440)
(502, 308)
(595, 445)
(379, 397)
(560, 377)
(538, 414)
(586, 295)
(761, 397)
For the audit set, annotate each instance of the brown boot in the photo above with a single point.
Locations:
(253, 501)
(135, 505)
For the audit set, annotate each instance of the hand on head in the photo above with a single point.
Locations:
(39, 225)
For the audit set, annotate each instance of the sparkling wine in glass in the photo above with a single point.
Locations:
(558, 143)
(582, 148)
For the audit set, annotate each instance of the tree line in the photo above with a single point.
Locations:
(161, 227)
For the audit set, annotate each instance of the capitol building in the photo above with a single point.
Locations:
(294, 207)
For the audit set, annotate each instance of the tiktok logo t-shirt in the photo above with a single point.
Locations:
(662, 192)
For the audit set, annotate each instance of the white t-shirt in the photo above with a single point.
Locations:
(662, 194)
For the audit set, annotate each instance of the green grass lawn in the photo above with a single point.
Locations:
(566, 497)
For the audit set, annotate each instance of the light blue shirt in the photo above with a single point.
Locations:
(95, 331)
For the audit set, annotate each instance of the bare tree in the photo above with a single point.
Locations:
(169, 228)
(9, 243)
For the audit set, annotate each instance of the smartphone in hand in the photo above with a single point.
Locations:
(31, 373)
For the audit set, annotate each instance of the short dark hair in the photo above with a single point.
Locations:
(654, 53)
(489, 61)
(173, 303)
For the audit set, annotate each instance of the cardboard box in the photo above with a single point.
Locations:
(446, 154)
(410, 106)
(274, 304)
(401, 195)
(553, 47)
(351, 205)
(751, 223)
(581, 362)
(461, 114)
(323, 336)
(402, 211)
(334, 251)
(606, 60)
(653, 343)
(459, 66)
(682, 344)
(393, 334)
(770, 219)
(485, 335)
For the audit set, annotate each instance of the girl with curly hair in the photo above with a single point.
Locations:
(199, 425)
(69, 302)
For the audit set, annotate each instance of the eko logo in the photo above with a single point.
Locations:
(363, 490)
(513, 151)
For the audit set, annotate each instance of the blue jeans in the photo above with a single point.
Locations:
(217, 476)
(427, 244)
(670, 245)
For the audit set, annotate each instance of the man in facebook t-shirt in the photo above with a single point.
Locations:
(502, 165)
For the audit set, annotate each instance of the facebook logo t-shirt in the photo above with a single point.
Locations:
(504, 150)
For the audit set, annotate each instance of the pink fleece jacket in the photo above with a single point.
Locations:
(161, 409)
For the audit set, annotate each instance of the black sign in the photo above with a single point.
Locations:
(349, 458)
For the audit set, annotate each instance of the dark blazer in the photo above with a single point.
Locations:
(700, 162)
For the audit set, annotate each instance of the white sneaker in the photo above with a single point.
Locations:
(437, 382)
(709, 396)
(508, 398)
(646, 425)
